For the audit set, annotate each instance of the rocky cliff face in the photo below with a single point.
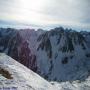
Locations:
(58, 54)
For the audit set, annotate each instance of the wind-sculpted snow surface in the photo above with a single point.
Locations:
(57, 55)
(22, 77)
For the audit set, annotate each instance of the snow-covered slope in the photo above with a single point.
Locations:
(75, 85)
(21, 77)
(24, 79)
(14, 76)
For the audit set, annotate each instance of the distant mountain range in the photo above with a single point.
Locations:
(57, 55)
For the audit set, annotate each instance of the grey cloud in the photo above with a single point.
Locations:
(77, 11)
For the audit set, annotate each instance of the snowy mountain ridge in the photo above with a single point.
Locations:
(56, 55)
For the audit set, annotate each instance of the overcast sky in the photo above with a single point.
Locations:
(46, 12)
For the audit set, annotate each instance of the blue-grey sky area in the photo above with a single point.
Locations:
(74, 13)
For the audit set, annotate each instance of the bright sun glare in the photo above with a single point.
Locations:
(31, 10)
